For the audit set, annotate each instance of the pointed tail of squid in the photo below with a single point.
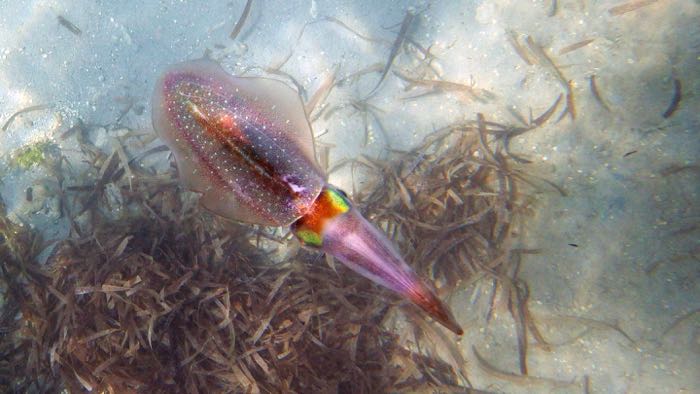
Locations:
(339, 229)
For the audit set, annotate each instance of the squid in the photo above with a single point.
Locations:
(245, 144)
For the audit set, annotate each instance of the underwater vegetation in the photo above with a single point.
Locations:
(166, 297)
(150, 292)
(135, 286)
(31, 155)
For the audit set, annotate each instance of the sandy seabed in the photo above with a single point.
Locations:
(613, 271)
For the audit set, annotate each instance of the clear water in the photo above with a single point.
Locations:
(621, 248)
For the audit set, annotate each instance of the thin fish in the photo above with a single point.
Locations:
(407, 20)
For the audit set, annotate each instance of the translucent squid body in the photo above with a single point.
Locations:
(246, 145)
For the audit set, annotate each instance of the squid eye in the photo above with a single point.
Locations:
(337, 199)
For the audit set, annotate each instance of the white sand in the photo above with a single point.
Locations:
(623, 214)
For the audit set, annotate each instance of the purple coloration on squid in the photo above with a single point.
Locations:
(364, 249)
(241, 142)
(246, 145)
